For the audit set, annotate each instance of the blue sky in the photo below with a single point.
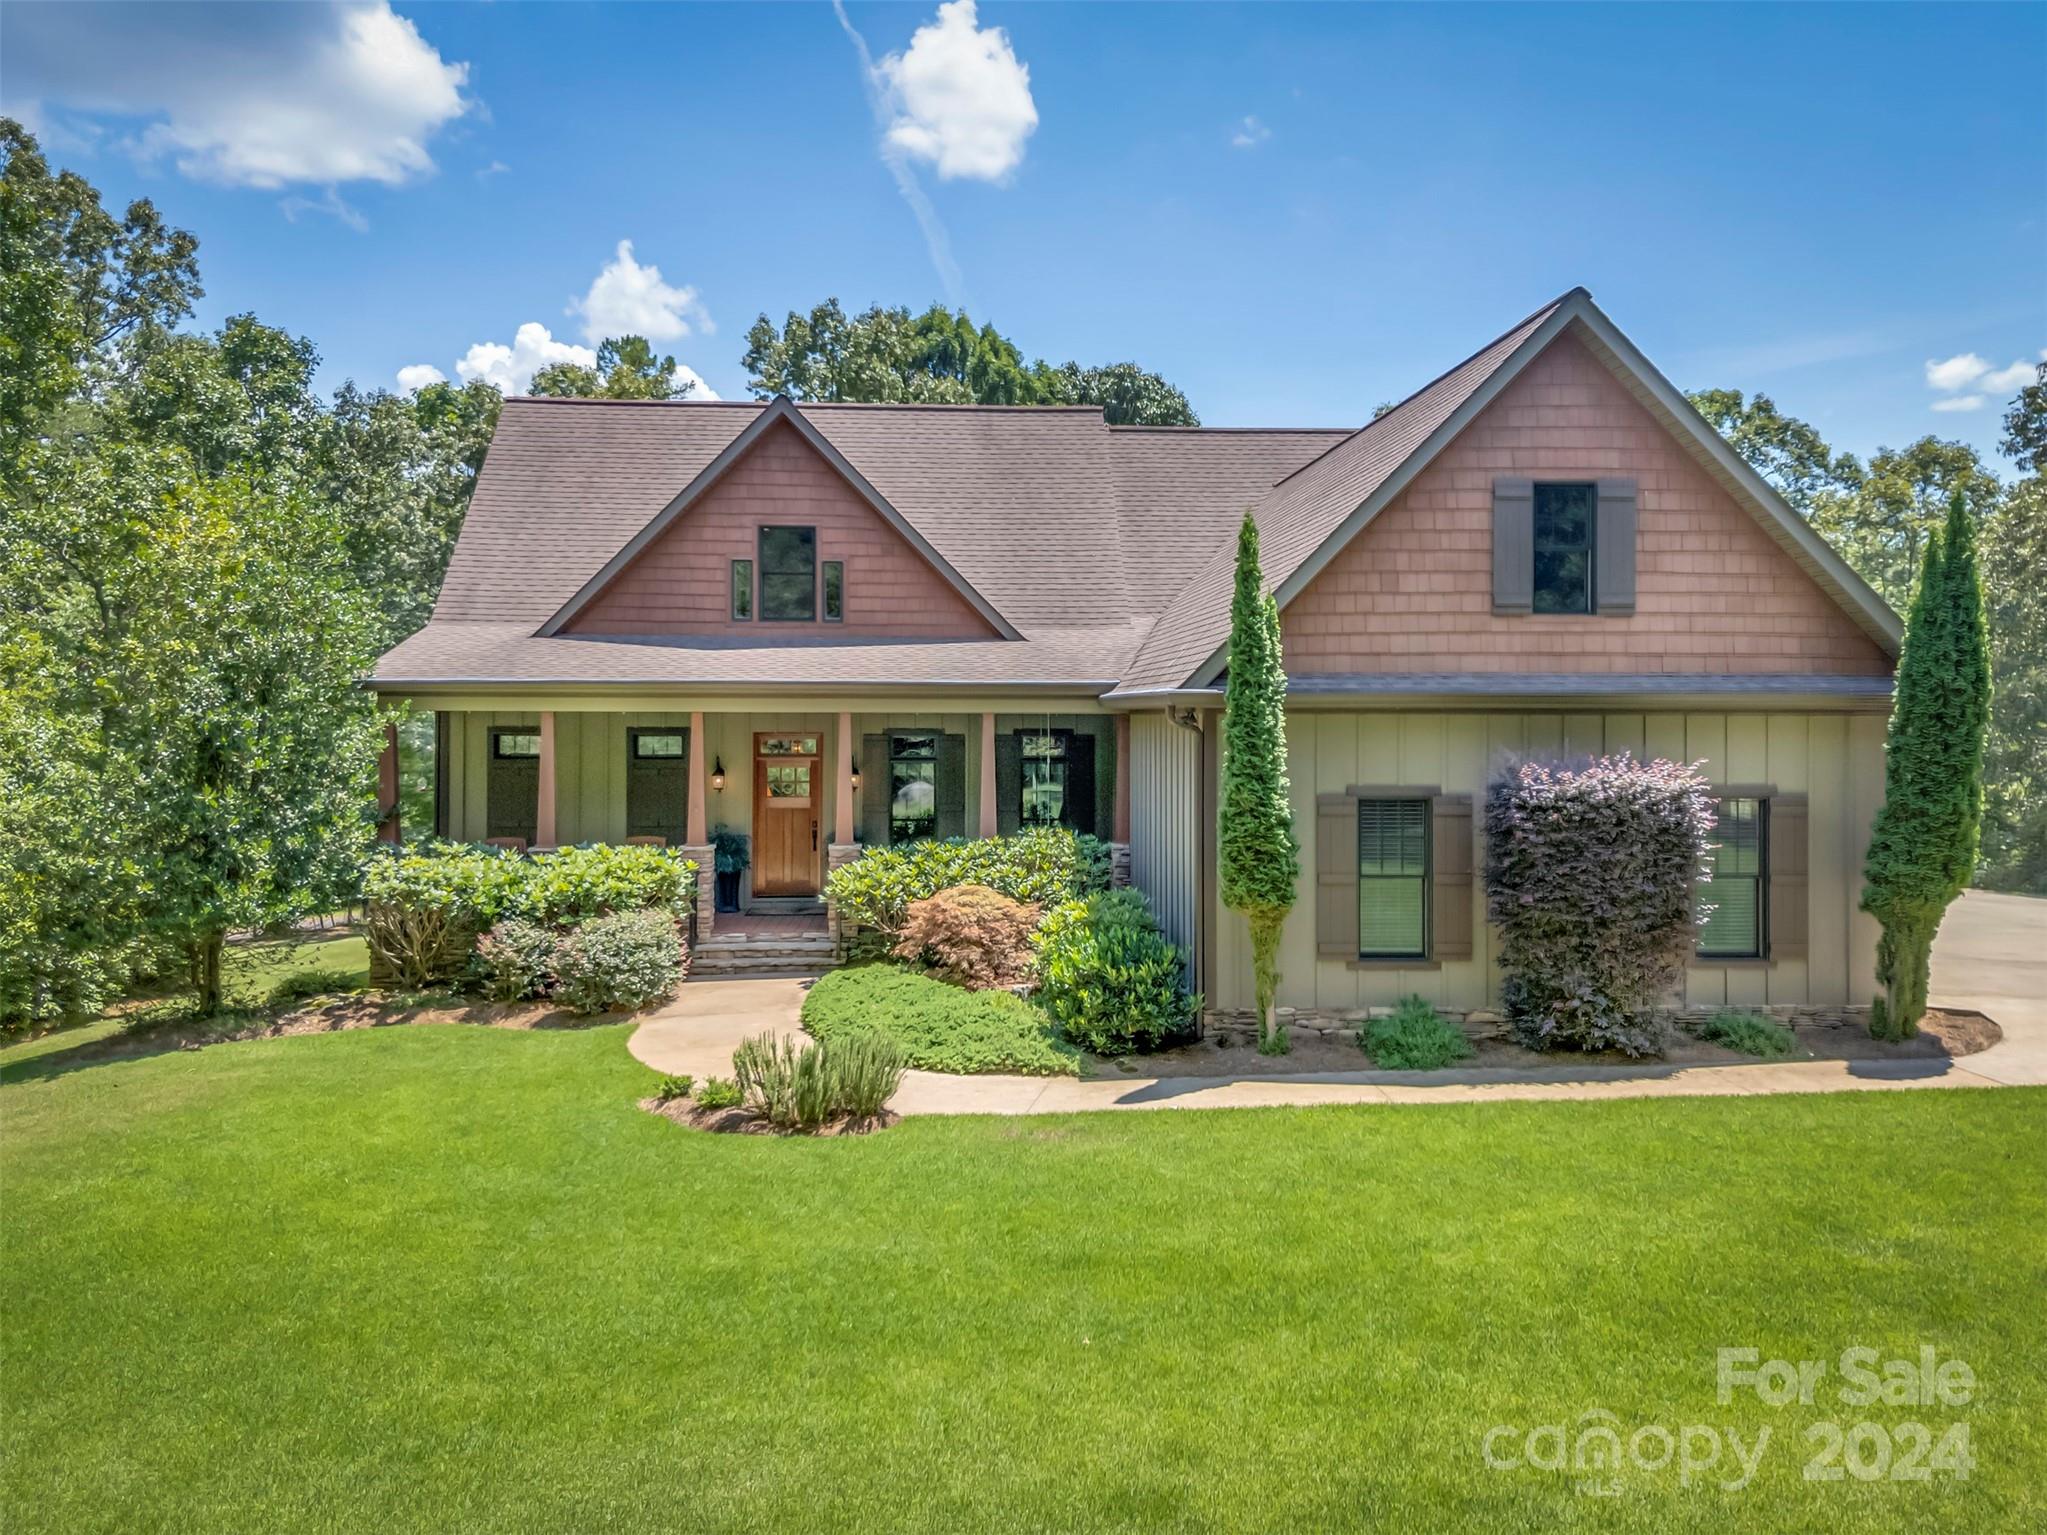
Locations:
(1293, 212)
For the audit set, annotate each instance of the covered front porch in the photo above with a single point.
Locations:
(808, 788)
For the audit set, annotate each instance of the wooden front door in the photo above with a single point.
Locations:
(786, 792)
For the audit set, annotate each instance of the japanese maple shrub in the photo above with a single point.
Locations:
(970, 934)
(1592, 875)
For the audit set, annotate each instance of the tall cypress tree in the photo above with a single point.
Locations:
(1258, 857)
(1922, 850)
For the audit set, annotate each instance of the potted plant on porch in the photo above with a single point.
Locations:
(730, 858)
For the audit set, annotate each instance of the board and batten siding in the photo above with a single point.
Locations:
(1165, 822)
(1836, 760)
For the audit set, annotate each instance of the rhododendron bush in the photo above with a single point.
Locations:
(1591, 878)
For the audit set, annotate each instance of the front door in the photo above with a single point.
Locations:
(785, 815)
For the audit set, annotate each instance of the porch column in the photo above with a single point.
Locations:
(387, 785)
(987, 775)
(695, 831)
(543, 820)
(842, 784)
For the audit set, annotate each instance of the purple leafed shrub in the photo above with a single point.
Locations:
(1591, 878)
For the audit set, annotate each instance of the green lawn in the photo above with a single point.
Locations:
(440, 1278)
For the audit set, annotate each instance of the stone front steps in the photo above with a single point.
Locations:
(721, 956)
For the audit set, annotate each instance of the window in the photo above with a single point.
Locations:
(511, 746)
(648, 743)
(788, 574)
(1393, 878)
(834, 591)
(1563, 547)
(1734, 928)
(742, 589)
(1044, 778)
(912, 787)
(788, 746)
(787, 780)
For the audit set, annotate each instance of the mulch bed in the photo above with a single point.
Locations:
(743, 1121)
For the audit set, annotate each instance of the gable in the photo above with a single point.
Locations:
(679, 583)
(1716, 593)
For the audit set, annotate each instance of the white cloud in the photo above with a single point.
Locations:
(628, 299)
(252, 96)
(1250, 134)
(418, 375)
(960, 97)
(699, 390)
(1956, 372)
(512, 367)
(1960, 402)
(2017, 376)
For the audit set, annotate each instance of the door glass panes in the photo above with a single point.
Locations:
(912, 787)
(1044, 779)
(788, 780)
(647, 744)
(788, 746)
(1393, 874)
(507, 744)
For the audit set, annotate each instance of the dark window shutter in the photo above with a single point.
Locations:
(951, 784)
(874, 787)
(1080, 783)
(1336, 876)
(1613, 556)
(1513, 546)
(1008, 782)
(1787, 849)
(1450, 898)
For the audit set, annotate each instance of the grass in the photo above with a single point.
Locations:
(436, 1278)
(1750, 1033)
(940, 1027)
(1415, 1038)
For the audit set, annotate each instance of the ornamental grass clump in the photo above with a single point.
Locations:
(1592, 875)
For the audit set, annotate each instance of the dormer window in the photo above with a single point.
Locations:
(788, 558)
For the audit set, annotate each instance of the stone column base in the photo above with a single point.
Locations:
(1119, 864)
(705, 859)
(837, 855)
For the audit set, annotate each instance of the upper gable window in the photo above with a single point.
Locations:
(1564, 517)
(788, 558)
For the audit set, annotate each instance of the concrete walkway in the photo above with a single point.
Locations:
(1992, 956)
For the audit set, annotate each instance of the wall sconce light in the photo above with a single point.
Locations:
(856, 772)
(718, 774)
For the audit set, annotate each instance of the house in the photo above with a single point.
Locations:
(839, 626)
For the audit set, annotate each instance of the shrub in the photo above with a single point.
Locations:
(671, 1086)
(1750, 1033)
(1037, 867)
(301, 984)
(938, 1026)
(578, 883)
(719, 1093)
(516, 958)
(619, 963)
(783, 1082)
(1591, 877)
(1415, 1038)
(1108, 976)
(970, 934)
(865, 1070)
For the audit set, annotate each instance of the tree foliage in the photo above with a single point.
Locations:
(939, 357)
(1882, 518)
(1922, 849)
(1258, 856)
(627, 369)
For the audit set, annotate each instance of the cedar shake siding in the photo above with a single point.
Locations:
(1413, 592)
(681, 582)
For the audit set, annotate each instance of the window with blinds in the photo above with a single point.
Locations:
(1733, 929)
(1393, 878)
